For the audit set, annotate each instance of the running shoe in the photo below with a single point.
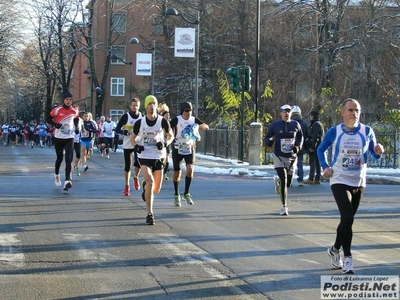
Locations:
(127, 190)
(108, 156)
(143, 193)
(166, 176)
(348, 265)
(277, 184)
(317, 181)
(67, 185)
(188, 198)
(336, 260)
(309, 181)
(150, 219)
(177, 201)
(284, 211)
(136, 183)
(85, 168)
(57, 180)
(77, 171)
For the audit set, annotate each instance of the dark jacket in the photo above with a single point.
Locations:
(281, 130)
(316, 132)
(304, 129)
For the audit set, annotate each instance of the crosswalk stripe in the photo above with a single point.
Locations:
(10, 250)
(84, 241)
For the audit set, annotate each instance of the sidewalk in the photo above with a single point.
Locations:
(222, 166)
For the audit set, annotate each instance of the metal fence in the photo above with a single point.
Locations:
(225, 143)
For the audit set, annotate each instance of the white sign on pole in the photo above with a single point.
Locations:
(185, 44)
(143, 64)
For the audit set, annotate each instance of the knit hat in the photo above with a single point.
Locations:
(186, 105)
(315, 114)
(150, 99)
(67, 94)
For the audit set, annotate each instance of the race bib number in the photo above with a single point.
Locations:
(351, 160)
(150, 139)
(66, 129)
(85, 133)
(184, 149)
(287, 145)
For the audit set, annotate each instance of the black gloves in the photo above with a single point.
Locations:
(57, 125)
(161, 145)
(125, 132)
(138, 148)
(295, 149)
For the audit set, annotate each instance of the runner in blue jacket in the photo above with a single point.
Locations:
(288, 138)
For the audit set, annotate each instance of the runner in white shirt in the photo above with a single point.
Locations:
(108, 133)
(151, 134)
(351, 142)
(5, 130)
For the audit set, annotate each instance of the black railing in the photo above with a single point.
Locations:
(225, 143)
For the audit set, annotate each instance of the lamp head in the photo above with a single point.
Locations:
(171, 12)
(134, 41)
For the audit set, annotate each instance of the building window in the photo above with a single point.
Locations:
(158, 24)
(303, 62)
(119, 22)
(303, 92)
(116, 113)
(117, 86)
(120, 52)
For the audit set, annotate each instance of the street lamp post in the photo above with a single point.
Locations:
(91, 88)
(135, 41)
(173, 12)
(130, 72)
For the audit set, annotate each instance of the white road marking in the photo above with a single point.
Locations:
(10, 250)
(181, 251)
(364, 256)
(82, 241)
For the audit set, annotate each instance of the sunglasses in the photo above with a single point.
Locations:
(187, 110)
(286, 110)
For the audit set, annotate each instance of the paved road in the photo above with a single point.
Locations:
(92, 243)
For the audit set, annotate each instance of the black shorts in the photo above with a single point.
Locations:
(153, 164)
(177, 158)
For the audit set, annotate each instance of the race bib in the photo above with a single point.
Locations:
(150, 139)
(184, 149)
(287, 145)
(351, 160)
(84, 133)
(66, 129)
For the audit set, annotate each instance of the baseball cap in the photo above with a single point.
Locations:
(296, 109)
(286, 107)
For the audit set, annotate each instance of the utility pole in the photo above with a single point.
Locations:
(242, 89)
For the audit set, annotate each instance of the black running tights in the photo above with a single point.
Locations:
(60, 146)
(347, 199)
(286, 182)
